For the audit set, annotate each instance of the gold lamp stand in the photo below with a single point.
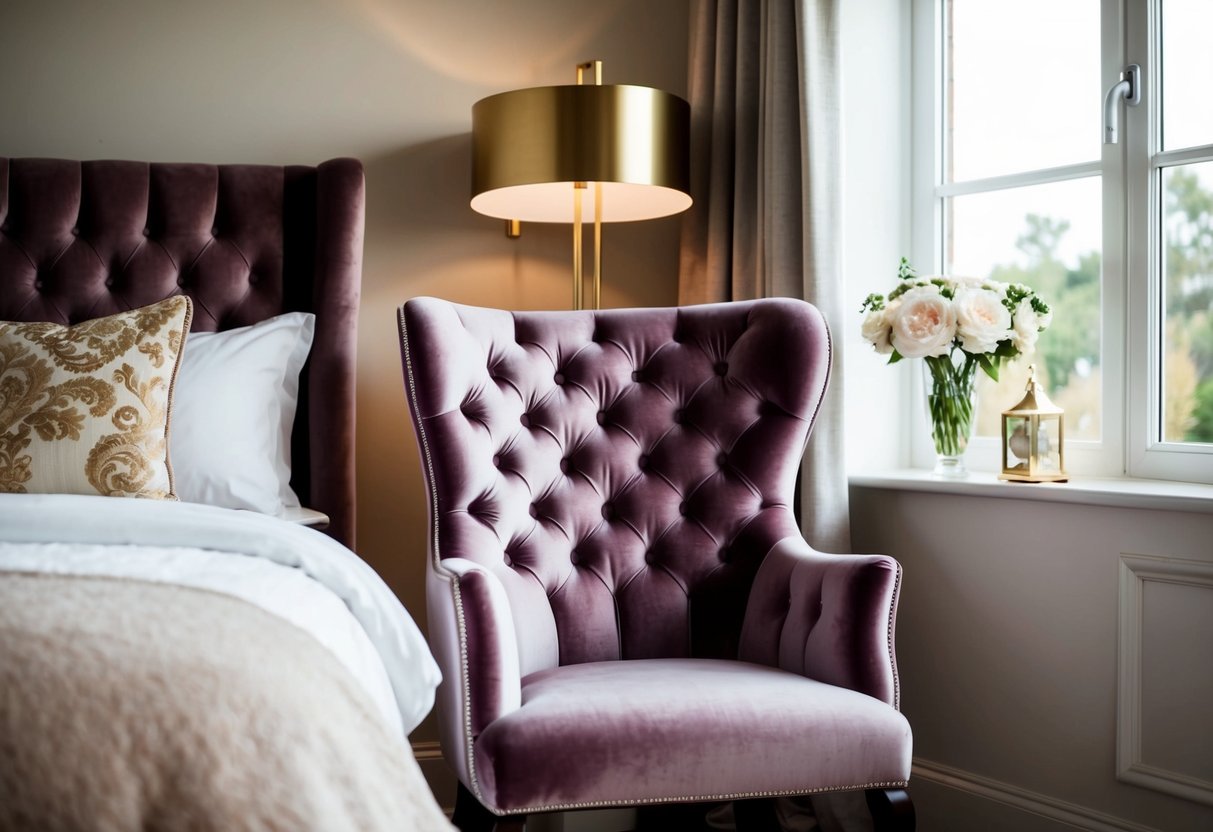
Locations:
(579, 189)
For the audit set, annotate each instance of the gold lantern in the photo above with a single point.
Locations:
(1033, 436)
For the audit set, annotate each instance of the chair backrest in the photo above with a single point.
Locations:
(623, 472)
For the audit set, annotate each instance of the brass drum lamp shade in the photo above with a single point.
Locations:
(530, 147)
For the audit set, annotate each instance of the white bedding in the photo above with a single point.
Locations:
(287, 569)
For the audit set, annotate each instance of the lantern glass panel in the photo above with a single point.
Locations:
(1019, 443)
(1048, 444)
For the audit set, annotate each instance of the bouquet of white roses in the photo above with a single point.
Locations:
(956, 324)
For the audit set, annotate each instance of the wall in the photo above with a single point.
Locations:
(391, 82)
(1009, 647)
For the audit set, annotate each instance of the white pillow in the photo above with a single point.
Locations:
(233, 409)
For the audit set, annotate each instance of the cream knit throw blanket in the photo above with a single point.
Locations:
(130, 705)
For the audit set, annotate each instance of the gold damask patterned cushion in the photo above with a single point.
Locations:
(85, 409)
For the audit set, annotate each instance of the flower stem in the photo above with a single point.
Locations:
(950, 402)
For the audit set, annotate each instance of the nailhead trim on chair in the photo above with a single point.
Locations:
(467, 687)
(890, 636)
(599, 804)
(461, 626)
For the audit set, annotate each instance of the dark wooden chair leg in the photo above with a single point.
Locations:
(471, 816)
(664, 817)
(756, 815)
(892, 810)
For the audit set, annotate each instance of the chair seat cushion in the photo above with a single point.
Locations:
(661, 730)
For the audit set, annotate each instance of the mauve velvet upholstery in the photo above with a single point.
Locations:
(617, 485)
(657, 730)
(81, 240)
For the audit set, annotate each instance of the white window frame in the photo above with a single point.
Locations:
(1149, 455)
(1129, 293)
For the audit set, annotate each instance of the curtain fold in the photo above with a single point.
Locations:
(766, 154)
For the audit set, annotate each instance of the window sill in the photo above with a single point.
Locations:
(1119, 492)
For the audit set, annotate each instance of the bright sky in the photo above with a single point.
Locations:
(1029, 95)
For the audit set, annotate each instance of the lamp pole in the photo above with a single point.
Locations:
(578, 195)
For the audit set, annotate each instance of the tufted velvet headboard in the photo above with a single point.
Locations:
(81, 240)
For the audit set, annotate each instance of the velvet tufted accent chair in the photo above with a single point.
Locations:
(619, 596)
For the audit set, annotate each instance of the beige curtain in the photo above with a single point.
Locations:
(765, 161)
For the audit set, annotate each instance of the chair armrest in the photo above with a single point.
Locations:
(472, 636)
(826, 617)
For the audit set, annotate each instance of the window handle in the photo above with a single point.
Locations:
(1129, 88)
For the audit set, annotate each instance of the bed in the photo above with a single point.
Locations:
(187, 639)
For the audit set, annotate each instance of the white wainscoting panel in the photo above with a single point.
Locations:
(1165, 707)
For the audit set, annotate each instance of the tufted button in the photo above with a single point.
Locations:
(602, 417)
(181, 281)
(643, 462)
(558, 378)
(608, 511)
(147, 232)
(496, 460)
(679, 416)
(75, 231)
(509, 561)
(214, 231)
(721, 367)
(525, 419)
(533, 510)
(682, 508)
(724, 554)
(637, 375)
(253, 280)
(565, 465)
(574, 558)
(109, 281)
(722, 459)
(648, 557)
(39, 283)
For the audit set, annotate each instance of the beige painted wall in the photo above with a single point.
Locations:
(391, 82)
(1008, 645)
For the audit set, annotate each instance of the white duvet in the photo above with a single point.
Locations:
(289, 570)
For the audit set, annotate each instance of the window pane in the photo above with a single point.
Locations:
(1187, 67)
(1024, 89)
(1187, 264)
(1047, 236)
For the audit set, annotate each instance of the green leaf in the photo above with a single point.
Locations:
(874, 301)
(989, 365)
(895, 357)
(1006, 349)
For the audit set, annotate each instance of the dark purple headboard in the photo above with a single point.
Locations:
(81, 240)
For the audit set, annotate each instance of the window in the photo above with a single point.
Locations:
(1012, 181)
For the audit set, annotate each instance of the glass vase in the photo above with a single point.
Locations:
(949, 381)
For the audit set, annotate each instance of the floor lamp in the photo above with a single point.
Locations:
(581, 153)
